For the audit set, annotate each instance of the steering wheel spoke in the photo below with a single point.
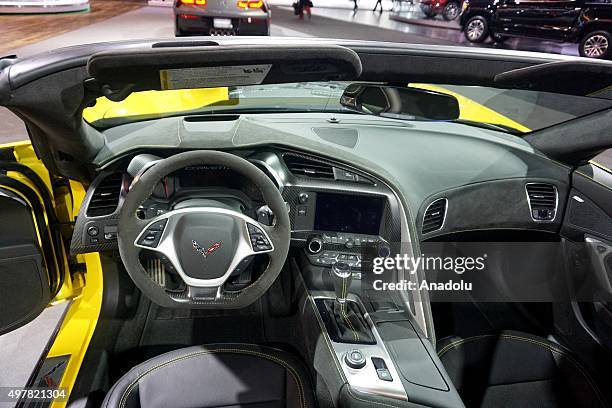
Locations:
(205, 245)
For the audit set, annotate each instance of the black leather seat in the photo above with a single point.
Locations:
(514, 369)
(224, 375)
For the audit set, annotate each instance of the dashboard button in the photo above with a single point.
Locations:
(259, 242)
(93, 231)
(344, 175)
(384, 374)
(150, 238)
(158, 226)
(110, 235)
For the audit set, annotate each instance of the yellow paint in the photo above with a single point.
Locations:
(155, 102)
(15, 144)
(80, 322)
(78, 195)
(24, 153)
(474, 111)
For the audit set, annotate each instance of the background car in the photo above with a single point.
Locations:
(221, 17)
(450, 9)
(587, 23)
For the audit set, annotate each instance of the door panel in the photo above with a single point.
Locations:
(25, 287)
(30, 245)
(547, 19)
(588, 228)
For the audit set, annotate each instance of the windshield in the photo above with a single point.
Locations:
(508, 110)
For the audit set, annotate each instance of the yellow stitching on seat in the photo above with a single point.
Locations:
(462, 341)
(560, 351)
(293, 373)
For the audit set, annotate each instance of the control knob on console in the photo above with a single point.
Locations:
(355, 359)
(315, 245)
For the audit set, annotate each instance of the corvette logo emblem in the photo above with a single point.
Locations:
(205, 252)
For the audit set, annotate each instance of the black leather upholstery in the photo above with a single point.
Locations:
(224, 375)
(514, 369)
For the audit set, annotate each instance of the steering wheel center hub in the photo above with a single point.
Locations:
(206, 243)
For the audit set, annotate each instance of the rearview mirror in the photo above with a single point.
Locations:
(400, 102)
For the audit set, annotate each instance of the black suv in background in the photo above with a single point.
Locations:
(587, 22)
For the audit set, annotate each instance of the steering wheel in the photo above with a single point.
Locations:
(204, 244)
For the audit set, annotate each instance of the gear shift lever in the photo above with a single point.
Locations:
(342, 277)
(344, 319)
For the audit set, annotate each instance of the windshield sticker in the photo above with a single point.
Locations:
(210, 77)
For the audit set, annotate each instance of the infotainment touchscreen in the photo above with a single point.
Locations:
(348, 213)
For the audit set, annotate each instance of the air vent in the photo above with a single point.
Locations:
(433, 219)
(305, 167)
(105, 198)
(542, 200)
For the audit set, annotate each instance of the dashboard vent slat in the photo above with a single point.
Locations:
(542, 199)
(105, 198)
(305, 167)
(433, 219)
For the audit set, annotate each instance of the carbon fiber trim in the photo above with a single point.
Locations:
(80, 243)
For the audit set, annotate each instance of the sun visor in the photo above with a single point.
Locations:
(123, 71)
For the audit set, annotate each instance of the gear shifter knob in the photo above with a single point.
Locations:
(342, 277)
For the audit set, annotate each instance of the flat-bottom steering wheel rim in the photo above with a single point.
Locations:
(131, 227)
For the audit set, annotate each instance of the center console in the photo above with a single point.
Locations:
(365, 344)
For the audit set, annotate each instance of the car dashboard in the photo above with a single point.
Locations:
(331, 204)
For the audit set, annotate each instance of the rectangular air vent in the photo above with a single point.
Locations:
(105, 198)
(542, 199)
(305, 167)
(433, 219)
